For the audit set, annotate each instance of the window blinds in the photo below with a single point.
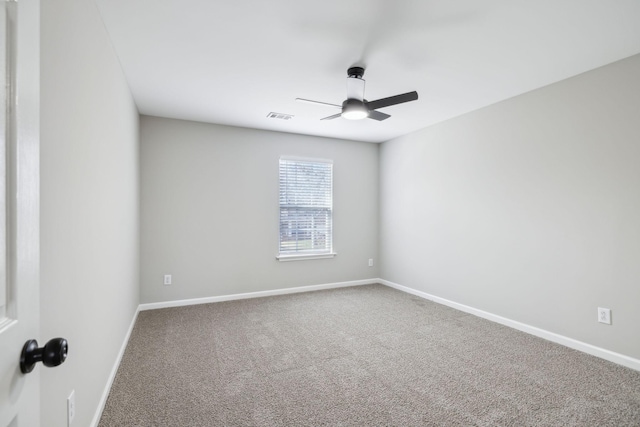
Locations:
(306, 203)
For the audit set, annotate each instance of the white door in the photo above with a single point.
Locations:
(19, 206)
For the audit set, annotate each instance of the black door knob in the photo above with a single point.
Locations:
(53, 353)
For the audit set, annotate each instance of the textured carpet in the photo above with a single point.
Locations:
(360, 356)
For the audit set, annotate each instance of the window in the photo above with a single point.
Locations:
(306, 208)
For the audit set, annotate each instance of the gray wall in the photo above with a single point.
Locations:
(89, 206)
(528, 209)
(210, 210)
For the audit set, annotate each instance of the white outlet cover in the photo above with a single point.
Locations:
(604, 315)
(71, 407)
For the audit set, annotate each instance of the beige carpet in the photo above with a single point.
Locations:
(360, 356)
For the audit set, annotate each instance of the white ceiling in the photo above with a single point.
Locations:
(232, 62)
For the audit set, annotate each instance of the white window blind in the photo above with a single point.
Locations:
(306, 204)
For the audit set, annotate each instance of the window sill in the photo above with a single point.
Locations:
(303, 257)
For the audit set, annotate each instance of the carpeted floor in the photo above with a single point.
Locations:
(360, 356)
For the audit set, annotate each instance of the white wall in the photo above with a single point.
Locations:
(209, 212)
(89, 206)
(528, 209)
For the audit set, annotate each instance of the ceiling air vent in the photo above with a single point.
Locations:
(280, 116)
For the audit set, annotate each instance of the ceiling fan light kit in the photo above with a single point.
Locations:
(355, 107)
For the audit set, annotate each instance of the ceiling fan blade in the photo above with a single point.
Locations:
(335, 116)
(355, 88)
(317, 102)
(392, 100)
(377, 115)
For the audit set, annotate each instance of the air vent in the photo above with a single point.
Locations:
(280, 116)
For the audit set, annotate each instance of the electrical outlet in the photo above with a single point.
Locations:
(167, 279)
(71, 407)
(604, 315)
(370, 262)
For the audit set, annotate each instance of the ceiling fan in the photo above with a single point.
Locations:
(355, 107)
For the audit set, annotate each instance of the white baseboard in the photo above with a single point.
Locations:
(259, 294)
(114, 371)
(602, 353)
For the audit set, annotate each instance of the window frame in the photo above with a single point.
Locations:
(305, 255)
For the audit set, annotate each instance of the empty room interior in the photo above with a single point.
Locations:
(469, 253)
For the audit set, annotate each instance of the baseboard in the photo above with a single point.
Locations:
(114, 371)
(602, 353)
(284, 291)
